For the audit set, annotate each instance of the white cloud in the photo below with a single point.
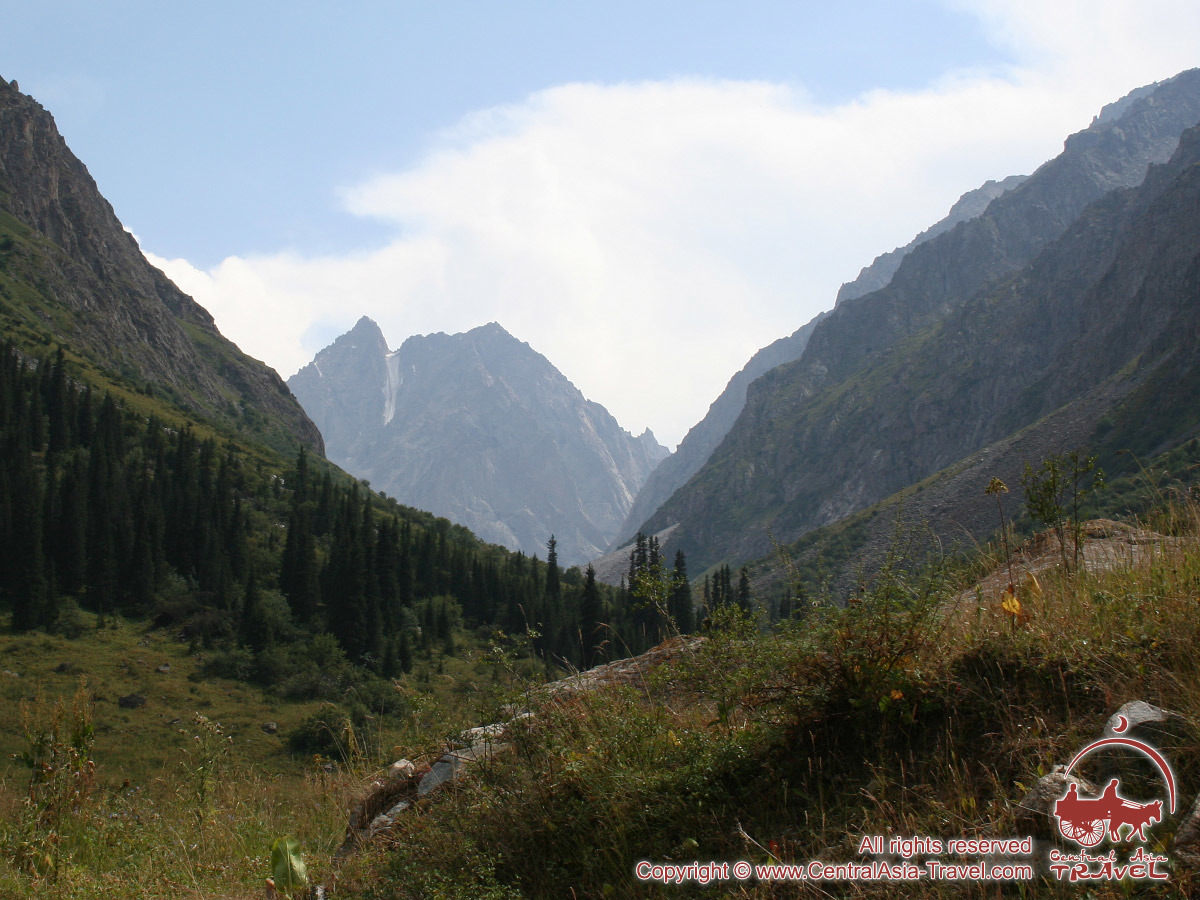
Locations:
(648, 238)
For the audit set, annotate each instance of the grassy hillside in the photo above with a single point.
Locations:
(922, 709)
(926, 707)
(185, 794)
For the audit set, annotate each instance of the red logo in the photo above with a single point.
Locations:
(1086, 820)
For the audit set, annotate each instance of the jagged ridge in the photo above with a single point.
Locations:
(792, 462)
(480, 428)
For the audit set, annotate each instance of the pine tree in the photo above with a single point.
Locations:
(553, 587)
(589, 619)
(743, 590)
(254, 630)
(29, 581)
(680, 604)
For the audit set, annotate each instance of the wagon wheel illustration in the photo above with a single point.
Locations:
(1086, 834)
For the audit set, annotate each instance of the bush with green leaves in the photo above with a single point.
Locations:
(1055, 494)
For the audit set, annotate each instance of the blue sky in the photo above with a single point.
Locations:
(646, 192)
(215, 129)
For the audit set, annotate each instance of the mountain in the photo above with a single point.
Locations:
(818, 439)
(482, 429)
(703, 438)
(970, 205)
(70, 273)
(1094, 346)
(150, 470)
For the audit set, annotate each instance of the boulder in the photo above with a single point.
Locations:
(1145, 722)
(1186, 846)
(401, 769)
(1035, 815)
(445, 769)
(1171, 733)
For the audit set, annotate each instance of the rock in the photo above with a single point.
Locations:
(482, 734)
(384, 821)
(1186, 847)
(1145, 722)
(269, 727)
(1170, 732)
(164, 669)
(9, 673)
(1036, 813)
(445, 769)
(401, 769)
(131, 701)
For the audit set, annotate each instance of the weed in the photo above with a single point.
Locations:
(62, 777)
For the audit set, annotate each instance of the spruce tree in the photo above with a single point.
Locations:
(589, 619)
(680, 604)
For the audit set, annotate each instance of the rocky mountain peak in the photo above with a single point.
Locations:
(481, 428)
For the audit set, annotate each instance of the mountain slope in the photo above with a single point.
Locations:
(1094, 345)
(792, 462)
(70, 273)
(480, 428)
(970, 205)
(703, 438)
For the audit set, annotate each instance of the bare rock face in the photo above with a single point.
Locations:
(1036, 813)
(74, 275)
(969, 206)
(1186, 846)
(481, 429)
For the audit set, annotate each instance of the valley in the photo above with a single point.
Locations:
(917, 552)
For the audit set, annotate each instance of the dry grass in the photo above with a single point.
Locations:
(922, 709)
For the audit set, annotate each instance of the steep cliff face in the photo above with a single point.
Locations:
(1095, 345)
(969, 206)
(72, 274)
(800, 456)
(698, 445)
(480, 428)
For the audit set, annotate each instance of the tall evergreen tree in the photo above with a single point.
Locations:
(590, 624)
(553, 587)
(680, 604)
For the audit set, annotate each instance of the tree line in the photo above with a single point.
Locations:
(105, 509)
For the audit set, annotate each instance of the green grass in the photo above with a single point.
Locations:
(919, 710)
(175, 814)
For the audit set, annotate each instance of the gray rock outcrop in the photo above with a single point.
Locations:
(481, 429)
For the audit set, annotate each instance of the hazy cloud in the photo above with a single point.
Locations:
(649, 237)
